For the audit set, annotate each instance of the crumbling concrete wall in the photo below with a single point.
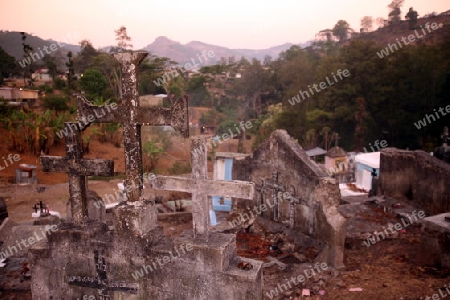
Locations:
(316, 213)
(416, 176)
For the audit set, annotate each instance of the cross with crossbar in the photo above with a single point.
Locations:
(202, 188)
(101, 281)
(132, 117)
(293, 200)
(77, 168)
(276, 188)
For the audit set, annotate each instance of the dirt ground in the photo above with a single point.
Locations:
(384, 271)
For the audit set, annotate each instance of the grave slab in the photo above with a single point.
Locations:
(434, 247)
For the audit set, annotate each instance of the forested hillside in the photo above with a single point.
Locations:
(383, 97)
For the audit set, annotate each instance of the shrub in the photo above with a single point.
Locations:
(179, 168)
(56, 102)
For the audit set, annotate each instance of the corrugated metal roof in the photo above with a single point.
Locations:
(315, 151)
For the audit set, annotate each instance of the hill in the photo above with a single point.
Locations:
(390, 34)
(163, 46)
(11, 42)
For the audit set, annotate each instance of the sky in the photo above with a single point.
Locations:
(247, 24)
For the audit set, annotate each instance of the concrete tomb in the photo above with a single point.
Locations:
(294, 191)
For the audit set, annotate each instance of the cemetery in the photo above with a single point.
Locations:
(135, 245)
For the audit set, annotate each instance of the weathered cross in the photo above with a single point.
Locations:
(293, 200)
(201, 187)
(132, 117)
(276, 188)
(39, 205)
(77, 168)
(101, 282)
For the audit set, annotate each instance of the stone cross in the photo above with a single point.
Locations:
(101, 282)
(39, 205)
(201, 187)
(293, 200)
(77, 168)
(276, 188)
(42, 206)
(132, 117)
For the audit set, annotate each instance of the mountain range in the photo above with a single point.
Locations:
(11, 42)
(163, 46)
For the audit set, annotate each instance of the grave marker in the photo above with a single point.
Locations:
(77, 168)
(132, 117)
(276, 188)
(201, 187)
(293, 200)
(101, 282)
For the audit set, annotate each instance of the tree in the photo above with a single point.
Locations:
(367, 23)
(197, 91)
(319, 49)
(380, 22)
(56, 102)
(122, 38)
(412, 17)
(255, 82)
(59, 84)
(394, 16)
(70, 71)
(86, 57)
(93, 83)
(51, 64)
(361, 127)
(110, 67)
(341, 30)
(27, 56)
(7, 63)
(326, 33)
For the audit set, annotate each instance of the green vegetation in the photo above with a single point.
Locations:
(8, 65)
(152, 153)
(179, 168)
(56, 102)
(380, 99)
(93, 83)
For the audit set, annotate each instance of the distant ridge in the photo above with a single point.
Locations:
(163, 46)
(11, 42)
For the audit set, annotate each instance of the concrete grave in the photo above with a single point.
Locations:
(295, 192)
(434, 247)
(409, 175)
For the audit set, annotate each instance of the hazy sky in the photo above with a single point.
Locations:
(232, 23)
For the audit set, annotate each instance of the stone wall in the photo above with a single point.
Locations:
(415, 176)
(316, 213)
